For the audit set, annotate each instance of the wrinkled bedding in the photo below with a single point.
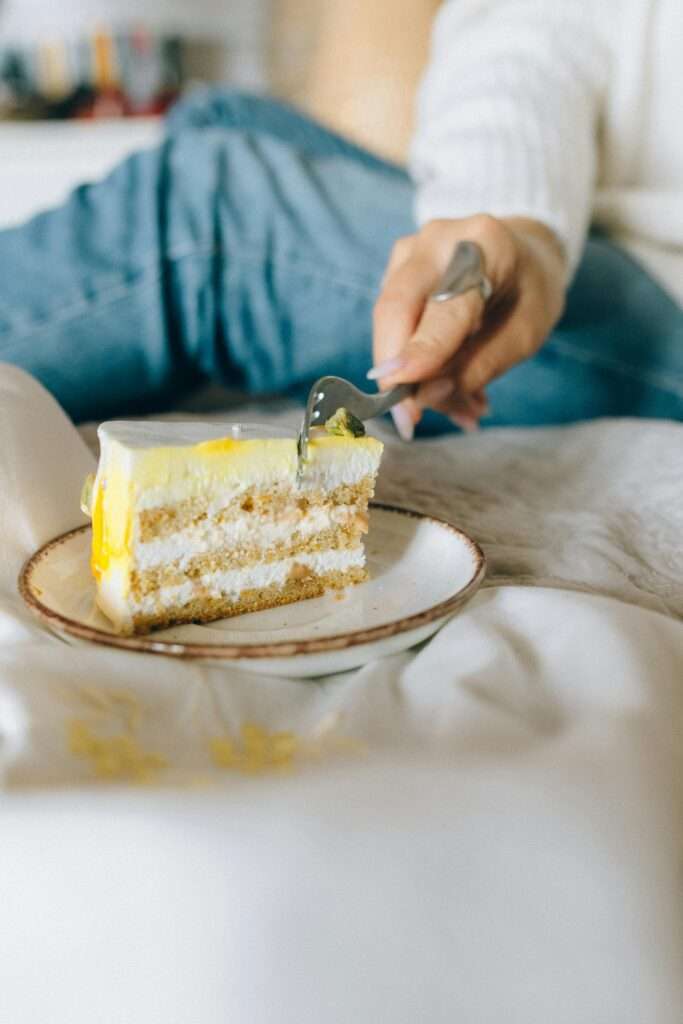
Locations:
(484, 829)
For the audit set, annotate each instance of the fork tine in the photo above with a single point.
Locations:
(330, 393)
(302, 443)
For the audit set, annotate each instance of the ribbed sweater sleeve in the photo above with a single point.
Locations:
(507, 115)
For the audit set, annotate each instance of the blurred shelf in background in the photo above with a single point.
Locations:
(342, 61)
(83, 82)
(93, 58)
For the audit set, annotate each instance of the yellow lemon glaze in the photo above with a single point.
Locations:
(225, 460)
(205, 465)
(97, 556)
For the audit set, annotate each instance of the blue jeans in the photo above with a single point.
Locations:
(248, 248)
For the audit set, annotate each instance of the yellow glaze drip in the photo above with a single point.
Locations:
(220, 446)
(111, 521)
(98, 559)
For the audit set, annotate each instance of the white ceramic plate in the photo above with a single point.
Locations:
(422, 570)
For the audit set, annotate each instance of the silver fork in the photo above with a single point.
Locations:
(331, 393)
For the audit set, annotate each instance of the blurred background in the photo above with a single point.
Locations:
(85, 82)
(108, 58)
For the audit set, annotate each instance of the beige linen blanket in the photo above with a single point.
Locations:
(483, 829)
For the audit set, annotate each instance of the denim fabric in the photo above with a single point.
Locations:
(618, 351)
(248, 248)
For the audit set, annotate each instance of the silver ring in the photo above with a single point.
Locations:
(464, 272)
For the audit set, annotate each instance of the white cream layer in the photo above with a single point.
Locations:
(230, 583)
(180, 548)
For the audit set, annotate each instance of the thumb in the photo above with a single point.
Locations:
(441, 331)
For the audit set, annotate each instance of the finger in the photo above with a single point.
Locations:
(443, 396)
(440, 329)
(466, 412)
(468, 424)
(486, 359)
(460, 409)
(400, 252)
(398, 310)
(405, 416)
(443, 328)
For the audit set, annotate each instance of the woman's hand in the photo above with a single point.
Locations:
(455, 348)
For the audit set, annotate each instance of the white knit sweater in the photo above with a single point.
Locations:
(563, 110)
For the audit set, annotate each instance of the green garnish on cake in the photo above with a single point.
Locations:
(344, 424)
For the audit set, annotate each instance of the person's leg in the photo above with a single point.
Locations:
(618, 351)
(247, 248)
(230, 108)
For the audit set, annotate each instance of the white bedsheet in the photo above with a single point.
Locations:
(487, 829)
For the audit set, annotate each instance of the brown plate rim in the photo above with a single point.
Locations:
(231, 652)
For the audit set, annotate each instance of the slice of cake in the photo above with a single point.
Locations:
(191, 526)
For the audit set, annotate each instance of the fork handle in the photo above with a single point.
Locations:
(393, 397)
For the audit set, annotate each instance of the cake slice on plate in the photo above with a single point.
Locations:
(190, 525)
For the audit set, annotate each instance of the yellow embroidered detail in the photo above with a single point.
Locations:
(114, 757)
(106, 703)
(259, 751)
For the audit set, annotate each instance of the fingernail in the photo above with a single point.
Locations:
(482, 402)
(467, 423)
(386, 368)
(403, 421)
(474, 408)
